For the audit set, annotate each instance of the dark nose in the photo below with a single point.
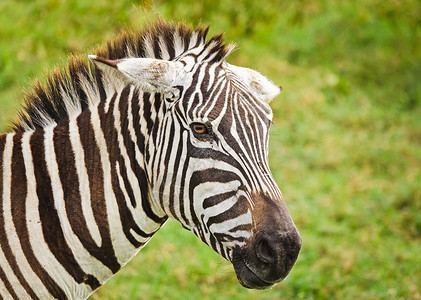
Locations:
(276, 253)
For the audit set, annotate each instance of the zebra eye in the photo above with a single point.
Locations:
(199, 128)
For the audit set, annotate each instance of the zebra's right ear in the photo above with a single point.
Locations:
(149, 74)
(262, 86)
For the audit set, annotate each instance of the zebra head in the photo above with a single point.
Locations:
(207, 159)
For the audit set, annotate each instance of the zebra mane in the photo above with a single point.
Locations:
(68, 91)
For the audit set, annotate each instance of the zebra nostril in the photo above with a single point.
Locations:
(264, 252)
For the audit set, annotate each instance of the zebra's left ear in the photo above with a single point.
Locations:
(149, 74)
(257, 82)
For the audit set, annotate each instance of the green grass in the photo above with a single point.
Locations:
(345, 147)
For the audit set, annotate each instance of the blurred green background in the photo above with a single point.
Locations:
(345, 147)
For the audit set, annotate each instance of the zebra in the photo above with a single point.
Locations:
(155, 125)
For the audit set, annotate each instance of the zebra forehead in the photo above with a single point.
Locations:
(241, 99)
(71, 89)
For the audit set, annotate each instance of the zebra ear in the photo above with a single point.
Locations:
(257, 82)
(150, 75)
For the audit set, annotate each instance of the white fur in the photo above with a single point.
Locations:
(12, 237)
(148, 74)
(153, 75)
(262, 86)
(87, 262)
(123, 248)
(83, 179)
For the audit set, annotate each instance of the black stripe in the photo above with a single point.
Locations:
(189, 93)
(186, 37)
(147, 111)
(240, 114)
(213, 241)
(165, 150)
(239, 208)
(219, 91)
(73, 204)
(7, 248)
(169, 41)
(218, 198)
(123, 105)
(140, 172)
(207, 175)
(176, 171)
(105, 253)
(144, 189)
(126, 218)
(156, 48)
(51, 227)
(4, 244)
(153, 135)
(100, 84)
(18, 195)
(242, 227)
(140, 138)
(181, 194)
(7, 284)
(130, 147)
(247, 139)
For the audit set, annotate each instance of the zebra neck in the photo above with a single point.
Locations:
(115, 133)
(75, 201)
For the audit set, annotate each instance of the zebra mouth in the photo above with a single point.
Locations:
(246, 277)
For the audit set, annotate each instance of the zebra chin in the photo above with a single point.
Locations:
(249, 279)
(267, 259)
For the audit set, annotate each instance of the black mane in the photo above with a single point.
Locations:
(45, 104)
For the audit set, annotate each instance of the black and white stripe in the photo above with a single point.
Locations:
(99, 161)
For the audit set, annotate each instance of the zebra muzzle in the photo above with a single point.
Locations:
(267, 260)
